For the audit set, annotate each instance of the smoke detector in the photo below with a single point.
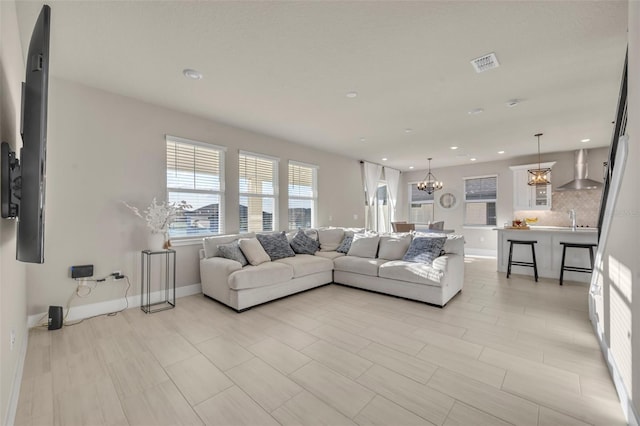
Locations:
(485, 63)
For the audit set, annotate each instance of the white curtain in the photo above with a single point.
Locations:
(392, 177)
(370, 178)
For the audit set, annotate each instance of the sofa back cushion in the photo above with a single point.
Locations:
(330, 238)
(302, 243)
(210, 244)
(232, 251)
(276, 245)
(424, 249)
(364, 245)
(394, 246)
(253, 251)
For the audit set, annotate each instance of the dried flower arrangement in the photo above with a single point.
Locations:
(159, 216)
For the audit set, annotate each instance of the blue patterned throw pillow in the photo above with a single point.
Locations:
(304, 244)
(424, 249)
(345, 245)
(276, 245)
(232, 251)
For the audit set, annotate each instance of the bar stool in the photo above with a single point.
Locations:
(533, 264)
(576, 268)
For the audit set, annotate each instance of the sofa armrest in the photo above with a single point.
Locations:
(452, 265)
(214, 277)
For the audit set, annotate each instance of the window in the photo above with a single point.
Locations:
(303, 195)
(258, 192)
(480, 195)
(383, 223)
(195, 174)
(420, 205)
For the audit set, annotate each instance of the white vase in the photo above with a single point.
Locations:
(156, 241)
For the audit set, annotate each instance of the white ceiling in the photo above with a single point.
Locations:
(284, 68)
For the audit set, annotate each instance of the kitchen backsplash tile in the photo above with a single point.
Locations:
(586, 203)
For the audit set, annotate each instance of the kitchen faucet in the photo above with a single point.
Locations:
(572, 217)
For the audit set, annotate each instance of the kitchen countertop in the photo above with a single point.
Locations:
(551, 229)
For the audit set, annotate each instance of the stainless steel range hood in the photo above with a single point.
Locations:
(580, 175)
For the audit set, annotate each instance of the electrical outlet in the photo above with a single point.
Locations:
(12, 339)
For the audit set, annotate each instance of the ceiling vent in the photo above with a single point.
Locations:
(485, 63)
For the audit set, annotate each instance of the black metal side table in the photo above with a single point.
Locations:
(158, 267)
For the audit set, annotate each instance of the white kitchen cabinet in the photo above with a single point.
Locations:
(527, 197)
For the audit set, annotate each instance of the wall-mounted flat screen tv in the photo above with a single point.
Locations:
(23, 179)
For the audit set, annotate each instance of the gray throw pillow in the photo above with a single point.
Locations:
(232, 251)
(276, 245)
(304, 244)
(438, 226)
(424, 249)
(345, 245)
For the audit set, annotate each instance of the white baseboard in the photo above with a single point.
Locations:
(101, 308)
(12, 408)
(625, 402)
(480, 252)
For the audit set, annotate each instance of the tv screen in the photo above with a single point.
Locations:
(23, 181)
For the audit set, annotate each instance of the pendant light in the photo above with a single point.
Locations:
(430, 184)
(539, 176)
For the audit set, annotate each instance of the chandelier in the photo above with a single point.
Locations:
(429, 184)
(539, 176)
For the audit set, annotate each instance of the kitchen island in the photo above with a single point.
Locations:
(548, 250)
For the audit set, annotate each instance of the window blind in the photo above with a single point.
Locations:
(480, 196)
(195, 175)
(258, 187)
(302, 191)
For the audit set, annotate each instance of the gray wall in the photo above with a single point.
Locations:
(104, 148)
(13, 290)
(481, 239)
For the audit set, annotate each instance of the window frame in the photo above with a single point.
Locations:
(222, 150)
(276, 190)
(484, 200)
(314, 189)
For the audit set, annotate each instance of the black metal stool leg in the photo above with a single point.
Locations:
(510, 255)
(535, 264)
(564, 252)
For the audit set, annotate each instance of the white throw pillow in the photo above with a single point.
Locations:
(253, 251)
(364, 245)
(394, 247)
(330, 238)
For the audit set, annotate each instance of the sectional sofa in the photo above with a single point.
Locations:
(372, 263)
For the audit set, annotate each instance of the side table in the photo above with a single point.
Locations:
(158, 267)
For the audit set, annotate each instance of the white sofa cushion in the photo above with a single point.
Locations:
(364, 245)
(265, 274)
(330, 238)
(394, 246)
(329, 254)
(211, 244)
(306, 264)
(419, 273)
(358, 265)
(253, 251)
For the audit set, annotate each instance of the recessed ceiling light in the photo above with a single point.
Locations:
(585, 140)
(500, 152)
(352, 94)
(411, 167)
(454, 147)
(192, 74)
(363, 139)
(385, 159)
(512, 102)
(407, 130)
(475, 111)
(472, 159)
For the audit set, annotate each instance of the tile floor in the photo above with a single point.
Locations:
(502, 352)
